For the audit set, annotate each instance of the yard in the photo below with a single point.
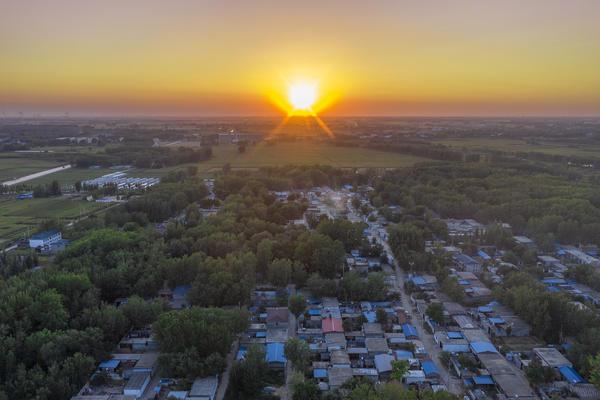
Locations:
(18, 218)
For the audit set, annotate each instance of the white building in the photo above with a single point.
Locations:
(45, 238)
(579, 257)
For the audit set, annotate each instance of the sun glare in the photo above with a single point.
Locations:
(302, 95)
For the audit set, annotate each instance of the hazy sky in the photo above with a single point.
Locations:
(179, 57)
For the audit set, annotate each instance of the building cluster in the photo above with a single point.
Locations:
(130, 372)
(120, 180)
(487, 345)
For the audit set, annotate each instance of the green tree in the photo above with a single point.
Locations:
(435, 311)
(249, 376)
(594, 368)
(349, 233)
(399, 369)
(297, 304)
(280, 272)
(382, 316)
(264, 255)
(298, 353)
(320, 254)
(304, 389)
(140, 312)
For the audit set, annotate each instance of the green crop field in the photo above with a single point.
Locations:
(15, 166)
(20, 217)
(516, 145)
(306, 152)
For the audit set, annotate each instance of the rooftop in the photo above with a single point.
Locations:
(551, 357)
(204, 387)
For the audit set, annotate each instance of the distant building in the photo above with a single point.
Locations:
(464, 227)
(120, 181)
(24, 196)
(45, 238)
(524, 241)
(579, 257)
(466, 263)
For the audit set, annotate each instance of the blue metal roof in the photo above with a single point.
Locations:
(455, 348)
(181, 290)
(261, 334)
(483, 255)
(485, 309)
(570, 374)
(464, 282)
(320, 373)
(483, 380)
(496, 320)
(371, 316)
(275, 353)
(314, 312)
(418, 280)
(483, 347)
(241, 354)
(553, 281)
(429, 368)
(409, 330)
(109, 364)
(455, 335)
(404, 354)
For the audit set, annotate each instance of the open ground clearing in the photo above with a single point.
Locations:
(517, 145)
(307, 153)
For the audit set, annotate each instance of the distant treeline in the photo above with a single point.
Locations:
(143, 157)
(415, 148)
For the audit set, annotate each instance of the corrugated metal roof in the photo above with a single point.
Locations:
(483, 380)
(409, 330)
(275, 353)
(483, 347)
(404, 354)
(320, 373)
(571, 375)
(109, 364)
(332, 325)
(455, 335)
(429, 368)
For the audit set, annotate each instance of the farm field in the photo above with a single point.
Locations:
(72, 175)
(515, 145)
(15, 166)
(17, 217)
(264, 155)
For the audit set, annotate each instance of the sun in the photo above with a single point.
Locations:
(302, 95)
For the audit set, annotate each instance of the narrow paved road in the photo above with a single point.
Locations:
(224, 382)
(452, 383)
(286, 393)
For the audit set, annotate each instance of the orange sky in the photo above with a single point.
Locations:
(201, 58)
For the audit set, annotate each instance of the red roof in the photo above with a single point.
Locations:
(332, 325)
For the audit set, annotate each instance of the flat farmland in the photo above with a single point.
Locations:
(305, 153)
(517, 145)
(15, 166)
(17, 217)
